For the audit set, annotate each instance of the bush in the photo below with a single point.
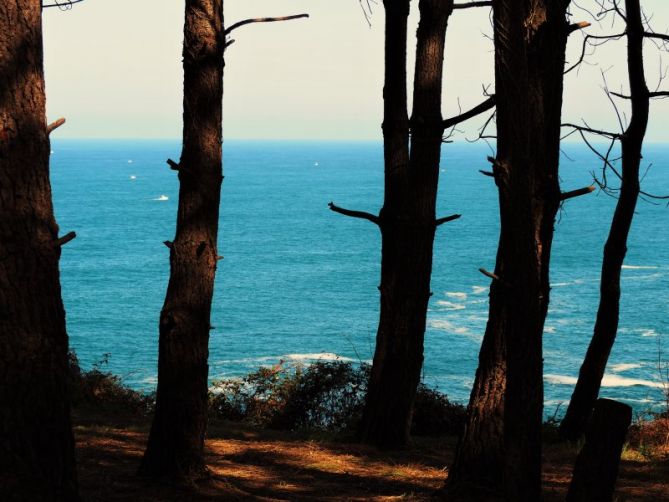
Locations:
(104, 391)
(326, 396)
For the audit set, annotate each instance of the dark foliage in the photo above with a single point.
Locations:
(327, 396)
(104, 391)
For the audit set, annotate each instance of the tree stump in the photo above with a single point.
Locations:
(596, 467)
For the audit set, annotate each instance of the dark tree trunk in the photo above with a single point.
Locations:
(596, 468)
(407, 219)
(36, 443)
(606, 325)
(176, 442)
(501, 448)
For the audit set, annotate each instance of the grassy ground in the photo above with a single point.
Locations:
(248, 464)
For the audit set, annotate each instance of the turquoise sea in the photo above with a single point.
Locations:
(298, 282)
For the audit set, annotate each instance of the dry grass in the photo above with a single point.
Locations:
(247, 464)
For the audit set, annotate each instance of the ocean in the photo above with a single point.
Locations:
(298, 282)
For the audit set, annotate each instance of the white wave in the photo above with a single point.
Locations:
(133, 177)
(450, 305)
(477, 318)
(162, 198)
(639, 267)
(619, 368)
(444, 325)
(560, 284)
(549, 329)
(648, 332)
(130, 162)
(639, 278)
(320, 356)
(607, 381)
(457, 294)
(477, 290)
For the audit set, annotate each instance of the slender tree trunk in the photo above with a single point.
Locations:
(407, 219)
(501, 448)
(176, 442)
(36, 443)
(606, 325)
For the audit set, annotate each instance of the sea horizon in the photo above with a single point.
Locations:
(298, 282)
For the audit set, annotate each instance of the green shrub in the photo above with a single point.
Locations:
(434, 414)
(104, 391)
(326, 396)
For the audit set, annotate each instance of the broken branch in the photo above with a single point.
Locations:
(441, 221)
(577, 26)
(577, 193)
(354, 214)
(55, 125)
(65, 239)
(489, 274)
(469, 5)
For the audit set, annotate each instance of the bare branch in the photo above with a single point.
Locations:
(577, 26)
(577, 193)
(441, 221)
(263, 20)
(489, 274)
(656, 36)
(55, 125)
(469, 5)
(62, 5)
(354, 214)
(593, 131)
(65, 239)
(483, 107)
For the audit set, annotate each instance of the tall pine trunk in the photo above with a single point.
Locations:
(407, 219)
(500, 451)
(176, 441)
(606, 325)
(36, 443)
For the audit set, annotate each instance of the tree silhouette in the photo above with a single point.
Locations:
(176, 441)
(36, 443)
(408, 219)
(500, 450)
(631, 142)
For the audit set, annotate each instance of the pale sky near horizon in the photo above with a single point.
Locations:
(113, 69)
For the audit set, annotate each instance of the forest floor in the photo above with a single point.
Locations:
(248, 464)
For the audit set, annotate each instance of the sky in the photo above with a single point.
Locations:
(113, 70)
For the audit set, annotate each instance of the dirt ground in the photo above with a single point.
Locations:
(247, 464)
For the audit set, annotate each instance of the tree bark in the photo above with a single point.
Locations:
(606, 325)
(36, 443)
(176, 442)
(596, 468)
(500, 451)
(407, 219)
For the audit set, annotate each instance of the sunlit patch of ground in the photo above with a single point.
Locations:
(251, 465)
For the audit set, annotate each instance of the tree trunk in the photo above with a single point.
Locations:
(506, 406)
(176, 441)
(606, 325)
(596, 468)
(407, 219)
(36, 443)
